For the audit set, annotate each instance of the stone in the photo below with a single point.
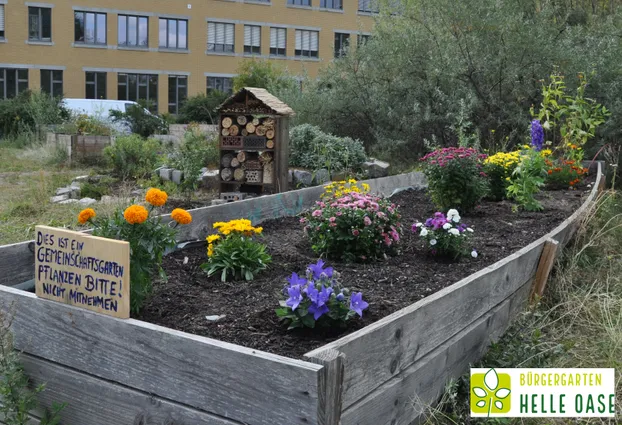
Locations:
(290, 176)
(69, 201)
(64, 191)
(210, 179)
(339, 176)
(376, 168)
(303, 177)
(59, 198)
(215, 318)
(218, 202)
(87, 201)
(81, 179)
(204, 169)
(401, 189)
(321, 176)
(165, 173)
(137, 192)
(177, 176)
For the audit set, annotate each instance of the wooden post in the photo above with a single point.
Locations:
(547, 260)
(330, 386)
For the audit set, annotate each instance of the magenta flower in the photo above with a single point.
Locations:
(367, 221)
(316, 213)
(355, 232)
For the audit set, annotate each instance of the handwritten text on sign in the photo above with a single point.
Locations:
(83, 270)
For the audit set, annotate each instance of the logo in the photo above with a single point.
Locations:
(489, 393)
(550, 393)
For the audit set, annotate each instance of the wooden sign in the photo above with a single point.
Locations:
(83, 270)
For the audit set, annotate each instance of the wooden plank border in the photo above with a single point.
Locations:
(226, 380)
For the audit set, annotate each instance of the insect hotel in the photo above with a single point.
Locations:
(254, 139)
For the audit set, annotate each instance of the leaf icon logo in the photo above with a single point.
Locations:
(490, 392)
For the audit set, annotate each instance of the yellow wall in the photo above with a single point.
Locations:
(73, 59)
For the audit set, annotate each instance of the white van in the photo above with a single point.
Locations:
(100, 109)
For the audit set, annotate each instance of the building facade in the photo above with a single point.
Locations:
(165, 50)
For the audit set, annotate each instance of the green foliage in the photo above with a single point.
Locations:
(527, 179)
(140, 121)
(148, 242)
(132, 157)
(571, 120)
(22, 117)
(98, 189)
(201, 108)
(407, 83)
(455, 178)
(312, 148)
(84, 125)
(261, 74)
(17, 398)
(193, 153)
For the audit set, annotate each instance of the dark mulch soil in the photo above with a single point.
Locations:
(388, 286)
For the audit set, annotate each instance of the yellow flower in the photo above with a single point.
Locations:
(365, 187)
(546, 152)
(85, 215)
(156, 197)
(181, 216)
(212, 238)
(352, 181)
(258, 230)
(135, 214)
(210, 250)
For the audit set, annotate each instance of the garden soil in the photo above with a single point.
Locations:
(247, 308)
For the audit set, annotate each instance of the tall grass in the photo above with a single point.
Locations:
(577, 324)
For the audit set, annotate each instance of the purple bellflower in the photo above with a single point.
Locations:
(357, 304)
(317, 270)
(295, 297)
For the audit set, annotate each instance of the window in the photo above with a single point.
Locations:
(96, 85)
(368, 6)
(342, 41)
(222, 84)
(52, 82)
(177, 92)
(362, 39)
(278, 41)
(220, 37)
(40, 23)
(90, 28)
(299, 2)
(137, 87)
(12, 82)
(1, 22)
(252, 39)
(173, 33)
(133, 31)
(307, 43)
(332, 4)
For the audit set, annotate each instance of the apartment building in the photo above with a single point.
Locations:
(165, 50)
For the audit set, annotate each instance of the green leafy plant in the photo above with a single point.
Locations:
(193, 153)
(455, 178)
(140, 120)
(201, 108)
(234, 253)
(149, 239)
(527, 179)
(132, 157)
(262, 74)
(17, 398)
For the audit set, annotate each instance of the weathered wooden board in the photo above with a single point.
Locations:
(17, 263)
(224, 379)
(96, 401)
(384, 349)
(407, 396)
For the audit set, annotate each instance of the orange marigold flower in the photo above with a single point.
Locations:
(550, 171)
(156, 197)
(135, 214)
(181, 216)
(85, 215)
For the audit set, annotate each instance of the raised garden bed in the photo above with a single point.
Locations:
(116, 371)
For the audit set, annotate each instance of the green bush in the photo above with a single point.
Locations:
(195, 152)
(201, 108)
(27, 113)
(311, 148)
(140, 121)
(132, 157)
(262, 74)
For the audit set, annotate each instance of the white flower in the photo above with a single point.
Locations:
(469, 229)
(432, 241)
(474, 254)
(419, 224)
(456, 218)
(452, 213)
(454, 232)
(424, 232)
(447, 226)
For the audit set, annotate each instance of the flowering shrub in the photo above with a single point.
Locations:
(318, 298)
(233, 253)
(341, 188)
(353, 227)
(499, 167)
(149, 238)
(445, 235)
(563, 173)
(455, 177)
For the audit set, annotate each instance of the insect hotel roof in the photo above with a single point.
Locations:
(252, 100)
